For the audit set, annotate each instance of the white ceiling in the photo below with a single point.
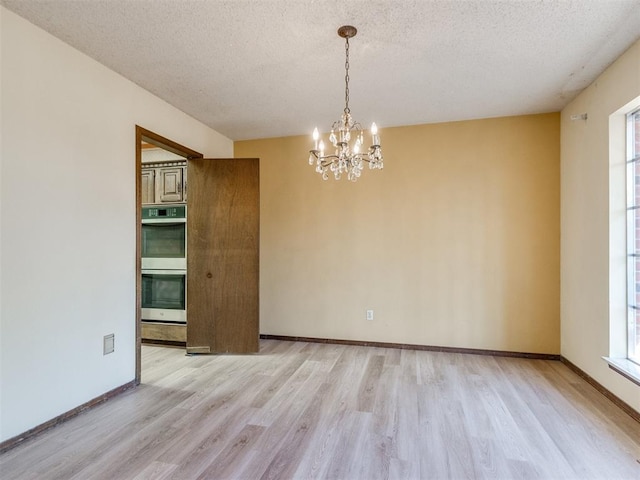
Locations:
(265, 68)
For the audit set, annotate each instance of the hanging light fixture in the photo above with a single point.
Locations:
(346, 136)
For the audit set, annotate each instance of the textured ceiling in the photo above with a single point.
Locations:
(265, 68)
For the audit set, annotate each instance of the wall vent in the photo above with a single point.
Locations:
(108, 344)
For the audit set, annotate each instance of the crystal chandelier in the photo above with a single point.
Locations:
(347, 158)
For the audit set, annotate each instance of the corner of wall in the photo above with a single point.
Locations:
(593, 223)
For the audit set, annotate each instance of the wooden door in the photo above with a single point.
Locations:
(223, 222)
(169, 184)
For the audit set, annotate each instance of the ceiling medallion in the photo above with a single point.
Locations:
(349, 159)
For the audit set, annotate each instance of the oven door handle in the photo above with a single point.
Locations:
(164, 221)
(163, 272)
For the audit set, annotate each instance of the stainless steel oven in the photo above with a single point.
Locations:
(164, 237)
(164, 263)
(164, 296)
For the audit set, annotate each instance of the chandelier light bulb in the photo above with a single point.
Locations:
(374, 134)
(346, 159)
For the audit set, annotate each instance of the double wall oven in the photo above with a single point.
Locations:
(164, 263)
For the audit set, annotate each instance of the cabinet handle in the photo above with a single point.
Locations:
(179, 187)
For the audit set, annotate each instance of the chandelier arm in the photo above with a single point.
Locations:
(324, 158)
(329, 159)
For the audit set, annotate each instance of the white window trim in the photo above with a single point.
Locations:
(631, 238)
(618, 323)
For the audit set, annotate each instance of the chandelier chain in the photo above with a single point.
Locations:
(346, 77)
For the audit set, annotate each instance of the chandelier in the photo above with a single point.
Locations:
(346, 137)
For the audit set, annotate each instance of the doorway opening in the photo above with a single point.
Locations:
(150, 147)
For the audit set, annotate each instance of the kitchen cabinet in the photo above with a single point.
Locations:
(164, 182)
(148, 185)
(169, 184)
(163, 332)
(223, 222)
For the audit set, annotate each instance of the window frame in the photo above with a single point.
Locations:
(633, 233)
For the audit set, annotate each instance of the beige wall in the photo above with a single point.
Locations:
(68, 221)
(455, 243)
(593, 224)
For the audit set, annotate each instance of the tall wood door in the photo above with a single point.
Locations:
(223, 222)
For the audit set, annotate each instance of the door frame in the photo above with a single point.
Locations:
(142, 134)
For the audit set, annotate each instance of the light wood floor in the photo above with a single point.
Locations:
(304, 410)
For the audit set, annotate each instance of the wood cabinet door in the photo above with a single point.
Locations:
(223, 222)
(169, 184)
(184, 184)
(148, 186)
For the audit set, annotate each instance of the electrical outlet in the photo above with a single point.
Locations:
(369, 314)
(108, 344)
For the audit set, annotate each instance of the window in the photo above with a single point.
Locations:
(633, 234)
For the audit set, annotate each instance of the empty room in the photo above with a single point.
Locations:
(332, 239)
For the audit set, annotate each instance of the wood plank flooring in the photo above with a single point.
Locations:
(305, 410)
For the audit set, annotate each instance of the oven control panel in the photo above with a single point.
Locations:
(164, 211)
